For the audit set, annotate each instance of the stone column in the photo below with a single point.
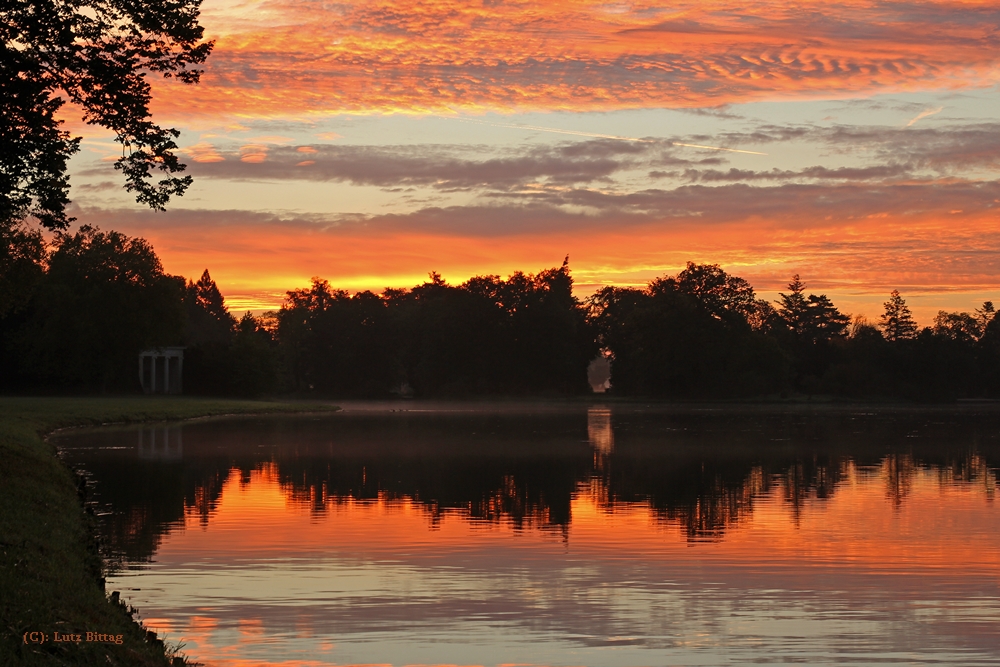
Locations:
(166, 373)
(152, 374)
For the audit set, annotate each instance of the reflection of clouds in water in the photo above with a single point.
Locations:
(369, 583)
(411, 539)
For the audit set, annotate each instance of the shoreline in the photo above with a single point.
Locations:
(51, 573)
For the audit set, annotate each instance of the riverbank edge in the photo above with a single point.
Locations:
(50, 568)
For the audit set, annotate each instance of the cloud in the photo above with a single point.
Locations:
(103, 186)
(440, 167)
(796, 204)
(900, 229)
(252, 154)
(864, 174)
(957, 148)
(389, 56)
(899, 153)
(203, 152)
(961, 147)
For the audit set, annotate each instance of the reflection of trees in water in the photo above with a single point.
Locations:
(711, 514)
(137, 505)
(897, 472)
(523, 493)
(972, 470)
(705, 496)
(810, 477)
(704, 474)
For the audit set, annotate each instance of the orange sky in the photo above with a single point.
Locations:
(280, 58)
(372, 142)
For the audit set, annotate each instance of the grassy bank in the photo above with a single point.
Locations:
(50, 573)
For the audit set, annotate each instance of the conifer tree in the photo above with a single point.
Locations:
(794, 307)
(897, 321)
(984, 316)
(825, 321)
(208, 317)
(813, 318)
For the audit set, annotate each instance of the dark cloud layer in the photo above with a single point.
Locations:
(568, 210)
(441, 167)
(886, 154)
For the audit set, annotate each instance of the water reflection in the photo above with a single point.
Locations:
(550, 536)
(163, 442)
(700, 471)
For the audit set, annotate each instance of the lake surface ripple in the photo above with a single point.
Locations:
(598, 535)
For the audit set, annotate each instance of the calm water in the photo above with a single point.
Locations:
(573, 535)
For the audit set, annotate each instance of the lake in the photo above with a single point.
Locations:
(558, 534)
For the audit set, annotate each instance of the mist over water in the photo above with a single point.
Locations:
(558, 534)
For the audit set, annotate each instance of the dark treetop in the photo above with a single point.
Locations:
(98, 54)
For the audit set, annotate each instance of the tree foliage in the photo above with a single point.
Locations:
(690, 335)
(208, 318)
(104, 298)
(22, 265)
(98, 53)
(812, 319)
(525, 334)
(897, 321)
(75, 315)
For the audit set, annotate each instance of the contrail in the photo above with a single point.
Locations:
(604, 136)
(924, 114)
(717, 148)
(558, 131)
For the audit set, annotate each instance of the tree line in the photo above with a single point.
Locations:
(76, 312)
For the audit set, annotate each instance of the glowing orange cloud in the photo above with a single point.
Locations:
(287, 58)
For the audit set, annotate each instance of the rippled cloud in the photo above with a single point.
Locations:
(298, 57)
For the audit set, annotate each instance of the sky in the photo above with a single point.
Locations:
(854, 143)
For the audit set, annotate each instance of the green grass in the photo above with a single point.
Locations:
(50, 572)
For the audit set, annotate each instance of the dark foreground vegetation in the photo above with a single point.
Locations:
(75, 314)
(50, 567)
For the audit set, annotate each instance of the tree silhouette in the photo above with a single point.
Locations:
(208, 317)
(686, 336)
(985, 315)
(806, 327)
(718, 291)
(74, 318)
(794, 306)
(104, 299)
(810, 318)
(897, 321)
(97, 53)
(825, 320)
(22, 255)
(961, 327)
